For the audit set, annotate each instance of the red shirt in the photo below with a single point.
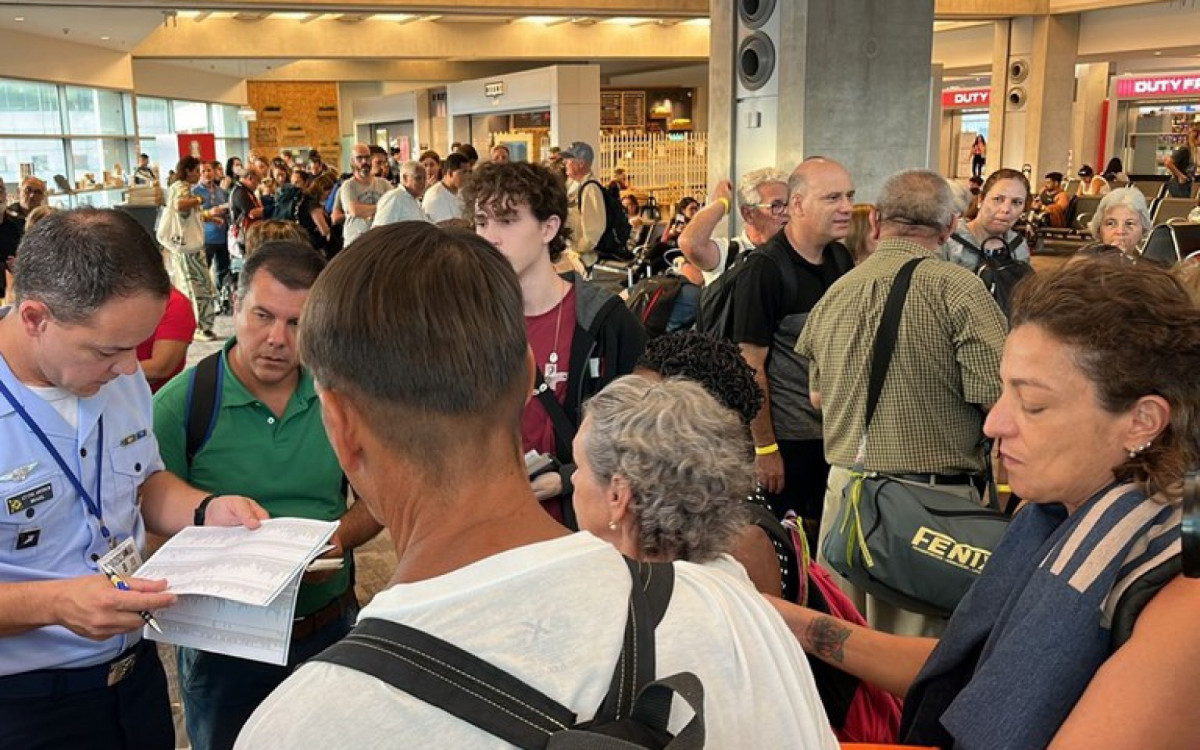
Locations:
(178, 323)
(537, 433)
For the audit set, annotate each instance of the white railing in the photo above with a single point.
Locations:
(667, 167)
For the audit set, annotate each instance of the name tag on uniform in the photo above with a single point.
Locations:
(24, 501)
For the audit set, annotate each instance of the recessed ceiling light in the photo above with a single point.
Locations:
(290, 16)
(545, 20)
(394, 17)
(19, 19)
(105, 38)
(1157, 53)
(697, 22)
(624, 21)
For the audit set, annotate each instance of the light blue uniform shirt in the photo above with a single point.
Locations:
(47, 531)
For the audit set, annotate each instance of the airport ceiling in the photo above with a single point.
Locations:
(416, 41)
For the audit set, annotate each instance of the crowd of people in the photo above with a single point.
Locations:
(426, 333)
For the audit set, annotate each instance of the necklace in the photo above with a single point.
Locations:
(552, 377)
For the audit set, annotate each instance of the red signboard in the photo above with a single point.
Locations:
(966, 98)
(1143, 87)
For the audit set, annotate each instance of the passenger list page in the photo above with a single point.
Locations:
(237, 588)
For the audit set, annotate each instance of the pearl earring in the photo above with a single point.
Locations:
(1133, 452)
(612, 525)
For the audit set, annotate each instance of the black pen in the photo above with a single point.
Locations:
(119, 583)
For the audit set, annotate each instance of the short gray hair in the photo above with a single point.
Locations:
(961, 195)
(916, 198)
(1129, 197)
(410, 168)
(748, 187)
(686, 458)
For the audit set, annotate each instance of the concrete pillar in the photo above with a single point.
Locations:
(1033, 94)
(851, 81)
(575, 105)
(1091, 89)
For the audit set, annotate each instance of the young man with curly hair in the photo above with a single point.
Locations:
(582, 336)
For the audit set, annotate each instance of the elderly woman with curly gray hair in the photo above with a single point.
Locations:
(662, 471)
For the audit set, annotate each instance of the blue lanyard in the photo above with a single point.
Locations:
(93, 505)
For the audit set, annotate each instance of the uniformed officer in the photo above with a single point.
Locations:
(80, 476)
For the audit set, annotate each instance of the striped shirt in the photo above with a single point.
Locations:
(946, 361)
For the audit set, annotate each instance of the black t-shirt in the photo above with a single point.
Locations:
(1182, 159)
(12, 229)
(760, 297)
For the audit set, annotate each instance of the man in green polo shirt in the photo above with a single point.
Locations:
(268, 442)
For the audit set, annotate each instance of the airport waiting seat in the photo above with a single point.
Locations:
(1167, 209)
(1170, 243)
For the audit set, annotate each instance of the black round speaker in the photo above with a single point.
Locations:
(754, 13)
(756, 60)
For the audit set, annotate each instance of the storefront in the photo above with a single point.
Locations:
(1151, 117)
(527, 111)
(964, 116)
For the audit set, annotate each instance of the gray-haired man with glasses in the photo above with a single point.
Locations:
(762, 203)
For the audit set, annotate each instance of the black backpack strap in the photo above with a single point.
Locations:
(485, 696)
(966, 243)
(564, 428)
(885, 337)
(203, 402)
(732, 253)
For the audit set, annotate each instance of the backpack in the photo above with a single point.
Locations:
(715, 315)
(203, 403)
(653, 301)
(288, 199)
(999, 270)
(634, 713)
(614, 243)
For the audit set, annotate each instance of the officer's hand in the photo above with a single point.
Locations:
(546, 486)
(769, 470)
(235, 510)
(91, 607)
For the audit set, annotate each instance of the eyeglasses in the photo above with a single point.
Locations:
(777, 208)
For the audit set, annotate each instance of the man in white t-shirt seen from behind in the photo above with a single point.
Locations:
(358, 196)
(762, 197)
(509, 585)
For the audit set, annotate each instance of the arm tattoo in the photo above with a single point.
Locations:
(826, 638)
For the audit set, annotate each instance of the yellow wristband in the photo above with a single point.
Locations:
(725, 202)
(766, 450)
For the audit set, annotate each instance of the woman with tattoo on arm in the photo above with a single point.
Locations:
(1082, 613)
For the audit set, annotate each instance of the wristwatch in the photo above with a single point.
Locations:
(201, 509)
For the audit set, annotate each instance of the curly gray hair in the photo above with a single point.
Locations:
(686, 459)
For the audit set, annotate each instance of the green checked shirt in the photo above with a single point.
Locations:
(946, 362)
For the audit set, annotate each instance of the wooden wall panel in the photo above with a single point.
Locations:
(294, 115)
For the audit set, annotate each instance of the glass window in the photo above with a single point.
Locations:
(95, 156)
(190, 117)
(45, 157)
(29, 107)
(226, 122)
(97, 111)
(153, 116)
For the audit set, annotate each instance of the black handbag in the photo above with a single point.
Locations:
(910, 544)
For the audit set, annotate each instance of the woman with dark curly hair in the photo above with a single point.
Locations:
(1082, 614)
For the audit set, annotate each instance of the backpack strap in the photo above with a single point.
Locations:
(564, 428)
(885, 337)
(203, 403)
(485, 696)
(731, 254)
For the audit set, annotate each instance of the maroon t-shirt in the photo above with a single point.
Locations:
(537, 433)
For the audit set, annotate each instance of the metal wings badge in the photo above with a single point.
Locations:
(19, 474)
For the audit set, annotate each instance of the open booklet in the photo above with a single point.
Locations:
(237, 588)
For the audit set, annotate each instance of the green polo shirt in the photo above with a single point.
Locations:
(285, 463)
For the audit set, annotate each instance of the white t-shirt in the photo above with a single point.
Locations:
(352, 191)
(553, 615)
(398, 205)
(744, 245)
(442, 205)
